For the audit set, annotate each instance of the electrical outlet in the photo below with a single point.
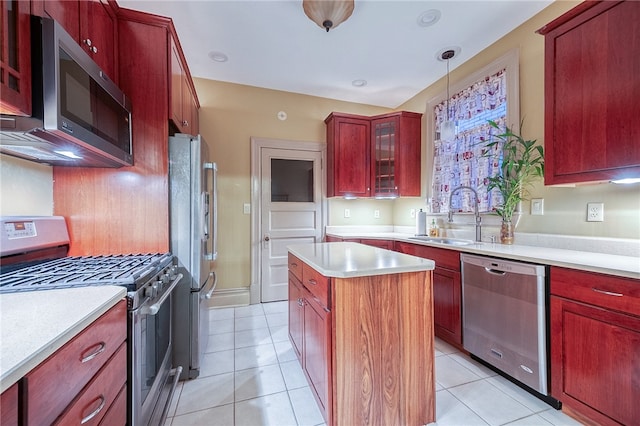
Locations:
(246, 208)
(347, 213)
(595, 212)
(412, 213)
(376, 214)
(537, 206)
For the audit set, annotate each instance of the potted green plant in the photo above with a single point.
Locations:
(521, 163)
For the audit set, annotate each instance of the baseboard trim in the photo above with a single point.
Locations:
(231, 297)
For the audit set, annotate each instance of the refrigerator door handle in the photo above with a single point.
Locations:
(213, 287)
(210, 212)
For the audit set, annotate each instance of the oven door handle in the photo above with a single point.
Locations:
(155, 308)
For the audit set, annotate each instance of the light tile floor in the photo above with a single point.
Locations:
(250, 376)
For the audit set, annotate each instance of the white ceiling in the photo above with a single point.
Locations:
(272, 44)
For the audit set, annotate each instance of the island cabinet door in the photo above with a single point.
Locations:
(317, 353)
(296, 312)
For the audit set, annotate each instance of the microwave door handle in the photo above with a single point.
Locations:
(211, 213)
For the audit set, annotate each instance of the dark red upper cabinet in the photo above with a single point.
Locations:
(592, 93)
(15, 58)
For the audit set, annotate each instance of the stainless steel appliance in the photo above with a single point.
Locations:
(33, 257)
(193, 225)
(505, 319)
(80, 117)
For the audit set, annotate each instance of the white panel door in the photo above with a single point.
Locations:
(291, 208)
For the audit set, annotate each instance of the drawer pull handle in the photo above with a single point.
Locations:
(100, 348)
(96, 411)
(608, 293)
(293, 265)
(313, 282)
(300, 302)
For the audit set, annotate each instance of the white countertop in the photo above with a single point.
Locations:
(624, 266)
(35, 324)
(347, 260)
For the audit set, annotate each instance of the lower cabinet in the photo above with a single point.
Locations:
(9, 406)
(83, 382)
(595, 346)
(310, 334)
(447, 289)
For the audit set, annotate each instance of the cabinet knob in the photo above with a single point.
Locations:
(185, 123)
(94, 49)
(87, 41)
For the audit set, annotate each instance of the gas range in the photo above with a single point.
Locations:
(33, 257)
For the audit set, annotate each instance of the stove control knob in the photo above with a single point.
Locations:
(165, 278)
(148, 292)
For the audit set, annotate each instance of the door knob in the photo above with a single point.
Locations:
(266, 238)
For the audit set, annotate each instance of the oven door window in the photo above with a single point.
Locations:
(156, 331)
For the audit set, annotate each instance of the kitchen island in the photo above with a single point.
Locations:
(361, 323)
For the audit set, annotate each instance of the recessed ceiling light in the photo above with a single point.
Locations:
(456, 51)
(429, 17)
(359, 83)
(218, 57)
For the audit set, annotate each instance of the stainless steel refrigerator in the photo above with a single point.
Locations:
(193, 228)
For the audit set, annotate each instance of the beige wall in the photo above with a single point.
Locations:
(26, 188)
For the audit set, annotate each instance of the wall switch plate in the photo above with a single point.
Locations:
(595, 212)
(246, 208)
(376, 214)
(412, 213)
(537, 206)
(347, 213)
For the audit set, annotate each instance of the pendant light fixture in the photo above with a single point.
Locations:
(328, 14)
(448, 126)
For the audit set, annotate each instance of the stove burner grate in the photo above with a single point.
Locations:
(123, 270)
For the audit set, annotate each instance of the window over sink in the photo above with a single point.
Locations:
(491, 93)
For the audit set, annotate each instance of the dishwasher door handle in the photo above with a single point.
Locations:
(495, 271)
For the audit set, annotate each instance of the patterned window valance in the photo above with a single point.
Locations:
(461, 161)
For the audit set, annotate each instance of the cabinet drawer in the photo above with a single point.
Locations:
(9, 406)
(443, 258)
(96, 398)
(295, 266)
(317, 284)
(56, 381)
(607, 291)
(117, 414)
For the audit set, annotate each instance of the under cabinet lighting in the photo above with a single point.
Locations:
(626, 181)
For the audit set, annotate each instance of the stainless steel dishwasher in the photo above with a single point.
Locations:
(505, 318)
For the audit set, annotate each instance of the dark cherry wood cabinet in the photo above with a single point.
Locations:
(99, 34)
(9, 406)
(184, 103)
(15, 58)
(591, 93)
(310, 330)
(80, 383)
(92, 23)
(348, 155)
(396, 154)
(447, 289)
(595, 346)
(377, 156)
(296, 314)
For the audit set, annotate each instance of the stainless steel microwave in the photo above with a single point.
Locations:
(80, 117)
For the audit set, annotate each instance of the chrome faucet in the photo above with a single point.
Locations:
(477, 214)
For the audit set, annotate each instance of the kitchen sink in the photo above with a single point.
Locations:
(445, 241)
